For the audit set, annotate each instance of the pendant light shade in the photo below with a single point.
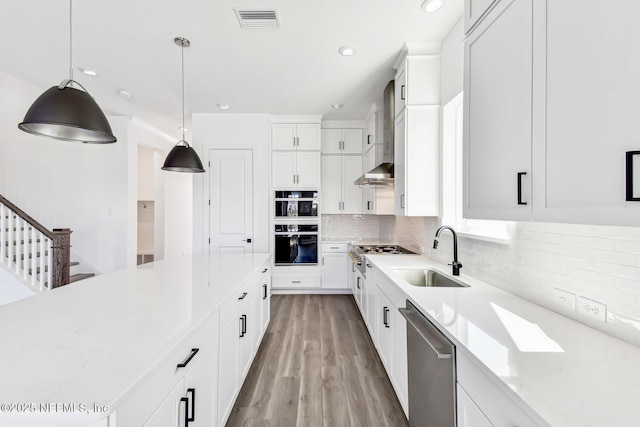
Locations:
(182, 157)
(66, 113)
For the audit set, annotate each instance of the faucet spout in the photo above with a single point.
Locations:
(456, 265)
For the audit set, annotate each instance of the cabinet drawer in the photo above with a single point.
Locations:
(334, 247)
(498, 407)
(235, 301)
(150, 393)
(391, 291)
(295, 282)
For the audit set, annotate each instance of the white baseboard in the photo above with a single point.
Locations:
(312, 291)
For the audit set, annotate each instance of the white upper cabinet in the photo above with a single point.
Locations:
(339, 194)
(588, 113)
(416, 170)
(342, 141)
(551, 112)
(474, 10)
(295, 136)
(497, 117)
(290, 169)
(417, 81)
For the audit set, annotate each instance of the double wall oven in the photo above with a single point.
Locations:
(296, 228)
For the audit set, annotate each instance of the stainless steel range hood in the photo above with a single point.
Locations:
(382, 174)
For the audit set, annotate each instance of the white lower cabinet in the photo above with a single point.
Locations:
(168, 414)
(469, 415)
(336, 266)
(499, 409)
(265, 306)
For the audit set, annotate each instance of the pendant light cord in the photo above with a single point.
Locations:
(70, 40)
(182, 50)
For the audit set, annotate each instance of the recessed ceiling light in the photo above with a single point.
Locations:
(223, 106)
(88, 71)
(432, 5)
(124, 93)
(347, 50)
(337, 106)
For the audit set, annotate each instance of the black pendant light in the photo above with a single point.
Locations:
(66, 113)
(182, 157)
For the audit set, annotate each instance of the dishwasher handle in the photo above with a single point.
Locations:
(440, 345)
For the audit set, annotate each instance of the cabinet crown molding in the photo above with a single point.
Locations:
(344, 124)
(417, 49)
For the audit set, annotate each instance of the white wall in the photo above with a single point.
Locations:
(229, 131)
(69, 185)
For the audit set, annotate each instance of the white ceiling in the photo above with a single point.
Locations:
(292, 70)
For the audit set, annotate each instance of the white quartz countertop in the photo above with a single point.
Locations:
(91, 341)
(568, 373)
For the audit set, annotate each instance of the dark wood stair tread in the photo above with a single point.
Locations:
(76, 277)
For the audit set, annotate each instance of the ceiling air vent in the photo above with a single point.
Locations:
(257, 18)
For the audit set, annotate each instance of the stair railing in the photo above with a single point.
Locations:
(39, 256)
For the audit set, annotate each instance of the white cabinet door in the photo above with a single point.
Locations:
(308, 135)
(469, 415)
(383, 340)
(283, 169)
(401, 88)
(171, 412)
(332, 141)
(228, 374)
(200, 387)
(265, 304)
(369, 192)
(351, 193)
(399, 164)
(370, 136)
(283, 136)
(497, 117)
(247, 319)
(335, 268)
(357, 290)
(308, 169)
(352, 141)
(473, 10)
(590, 118)
(331, 189)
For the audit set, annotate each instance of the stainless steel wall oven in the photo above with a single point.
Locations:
(296, 244)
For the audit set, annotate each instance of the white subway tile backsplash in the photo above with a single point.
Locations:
(598, 262)
(350, 227)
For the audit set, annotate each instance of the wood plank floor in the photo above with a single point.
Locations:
(316, 366)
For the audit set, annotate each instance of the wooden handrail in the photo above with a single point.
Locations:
(35, 224)
(60, 245)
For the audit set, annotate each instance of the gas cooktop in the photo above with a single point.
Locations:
(383, 249)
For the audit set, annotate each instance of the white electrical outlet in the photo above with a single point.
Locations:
(592, 308)
(564, 298)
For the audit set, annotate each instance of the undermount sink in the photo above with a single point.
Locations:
(427, 278)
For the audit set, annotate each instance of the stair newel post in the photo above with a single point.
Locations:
(61, 244)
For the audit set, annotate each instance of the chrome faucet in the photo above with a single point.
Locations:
(456, 265)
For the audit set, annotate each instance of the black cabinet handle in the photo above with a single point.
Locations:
(265, 270)
(186, 410)
(243, 328)
(184, 364)
(402, 92)
(358, 282)
(264, 287)
(244, 294)
(192, 418)
(520, 174)
(629, 172)
(368, 139)
(385, 320)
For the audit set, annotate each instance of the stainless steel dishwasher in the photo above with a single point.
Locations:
(432, 372)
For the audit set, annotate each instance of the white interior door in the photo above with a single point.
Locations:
(231, 197)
